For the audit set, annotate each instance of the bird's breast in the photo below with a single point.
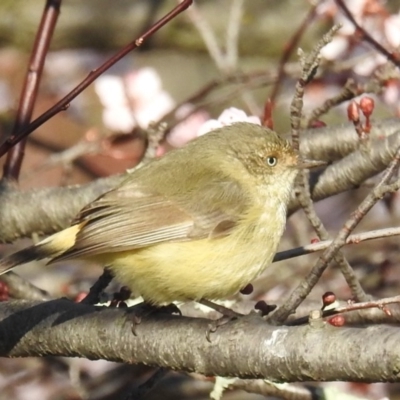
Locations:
(212, 268)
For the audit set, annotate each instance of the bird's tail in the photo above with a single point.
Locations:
(51, 247)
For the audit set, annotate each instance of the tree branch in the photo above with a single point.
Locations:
(46, 210)
(245, 348)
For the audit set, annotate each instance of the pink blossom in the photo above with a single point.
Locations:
(186, 130)
(228, 117)
(392, 30)
(136, 99)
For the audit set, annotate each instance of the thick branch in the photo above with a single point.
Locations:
(334, 142)
(352, 170)
(247, 348)
(45, 210)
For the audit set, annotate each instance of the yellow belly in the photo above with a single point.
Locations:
(211, 268)
(184, 271)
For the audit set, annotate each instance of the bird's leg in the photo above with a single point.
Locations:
(226, 312)
(227, 316)
(93, 297)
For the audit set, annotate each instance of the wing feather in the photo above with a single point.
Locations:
(135, 216)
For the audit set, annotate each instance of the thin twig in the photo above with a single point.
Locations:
(66, 157)
(224, 60)
(393, 57)
(29, 92)
(309, 66)
(63, 104)
(19, 288)
(208, 36)
(367, 304)
(288, 50)
(232, 33)
(345, 267)
(305, 287)
(231, 78)
(303, 192)
(276, 390)
(352, 239)
(348, 92)
(349, 307)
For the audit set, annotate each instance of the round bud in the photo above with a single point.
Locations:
(353, 113)
(248, 289)
(367, 105)
(328, 298)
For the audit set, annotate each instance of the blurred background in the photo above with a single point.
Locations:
(217, 55)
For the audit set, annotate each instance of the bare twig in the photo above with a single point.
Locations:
(305, 287)
(226, 61)
(352, 170)
(66, 157)
(367, 37)
(345, 267)
(64, 102)
(207, 34)
(44, 34)
(309, 69)
(288, 50)
(351, 307)
(19, 288)
(303, 192)
(260, 77)
(352, 239)
(280, 391)
(232, 33)
(368, 304)
(348, 92)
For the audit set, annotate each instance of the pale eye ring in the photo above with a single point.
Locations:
(272, 161)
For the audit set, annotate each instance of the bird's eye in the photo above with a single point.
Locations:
(272, 161)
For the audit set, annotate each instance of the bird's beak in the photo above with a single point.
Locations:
(308, 164)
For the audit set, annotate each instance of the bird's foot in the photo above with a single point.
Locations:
(263, 308)
(217, 323)
(144, 309)
(227, 316)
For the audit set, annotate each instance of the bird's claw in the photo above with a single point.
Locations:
(142, 310)
(215, 324)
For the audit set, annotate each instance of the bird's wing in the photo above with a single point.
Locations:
(135, 216)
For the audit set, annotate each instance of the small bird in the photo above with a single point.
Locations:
(199, 223)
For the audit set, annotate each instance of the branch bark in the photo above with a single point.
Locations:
(45, 211)
(245, 348)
